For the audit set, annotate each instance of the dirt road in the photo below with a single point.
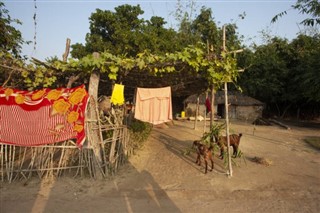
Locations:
(161, 178)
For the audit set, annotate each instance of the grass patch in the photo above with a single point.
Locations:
(313, 141)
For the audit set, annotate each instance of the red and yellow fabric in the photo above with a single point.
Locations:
(42, 117)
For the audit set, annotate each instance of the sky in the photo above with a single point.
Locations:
(57, 20)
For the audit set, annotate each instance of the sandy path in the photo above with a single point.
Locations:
(159, 178)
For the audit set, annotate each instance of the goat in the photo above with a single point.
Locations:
(234, 142)
(205, 152)
(104, 104)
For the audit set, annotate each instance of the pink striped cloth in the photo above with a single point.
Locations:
(153, 105)
(42, 117)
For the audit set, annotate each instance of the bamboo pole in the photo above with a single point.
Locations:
(20, 161)
(227, 109)
(2, 162)
(101, 140)
(79, 169)
(10, 164)
(113, 146)
(60, 163)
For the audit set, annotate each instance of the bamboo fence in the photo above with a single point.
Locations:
(66, 158)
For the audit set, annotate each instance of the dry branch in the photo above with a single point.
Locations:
(280, 124)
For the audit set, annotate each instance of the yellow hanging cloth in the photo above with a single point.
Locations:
(117, 97)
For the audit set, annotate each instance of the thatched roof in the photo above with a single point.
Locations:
(234, 98)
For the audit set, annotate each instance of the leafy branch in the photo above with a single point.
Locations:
(310, 7)
(191, 59)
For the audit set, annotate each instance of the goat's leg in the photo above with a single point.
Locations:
(221, 152)
(198, 161)
(212, 165)
(235, 150)
(206, 163)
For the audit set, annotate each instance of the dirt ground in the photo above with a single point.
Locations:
(160, 178)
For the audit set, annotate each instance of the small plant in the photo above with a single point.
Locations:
(215, 132)
(209, 138)
(139, 132)
(239, 154)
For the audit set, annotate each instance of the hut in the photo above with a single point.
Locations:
(242, 107)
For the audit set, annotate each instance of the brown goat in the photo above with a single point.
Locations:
(206, 153)
(234, 142)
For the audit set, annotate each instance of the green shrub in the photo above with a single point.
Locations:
(139, 132)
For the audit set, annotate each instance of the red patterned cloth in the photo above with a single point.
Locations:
(42, 117)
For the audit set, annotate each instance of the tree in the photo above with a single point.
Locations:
(266, 77)
(10, 49)
(284, 75)
(306, 66)
(309, 7)
(123, 32)
(204, 29)
(11, 38)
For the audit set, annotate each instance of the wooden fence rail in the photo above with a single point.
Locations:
(65, 158)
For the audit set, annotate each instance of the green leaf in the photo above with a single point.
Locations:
(141, 64)
(112, 76)
(113, 68)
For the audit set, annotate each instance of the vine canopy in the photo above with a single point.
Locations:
(188, 71)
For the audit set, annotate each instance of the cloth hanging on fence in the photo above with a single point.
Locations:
(42, 117)
(153, 105)
(208, 105)
(117, 97)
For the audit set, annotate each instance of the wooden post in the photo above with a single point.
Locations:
(72, 78)
(94, 133)
(66, 53)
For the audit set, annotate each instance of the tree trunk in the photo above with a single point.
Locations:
(285, 110)
(95, 139)
(298, 113)
(197, 114)
(278, 109)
